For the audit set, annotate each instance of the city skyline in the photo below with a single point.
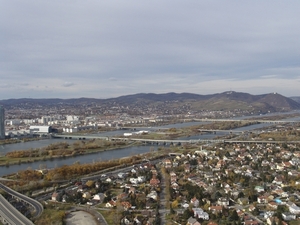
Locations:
(110, 49)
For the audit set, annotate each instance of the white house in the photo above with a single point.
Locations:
(288, 216)
(99, 197)
(200, 214)
(294, 209)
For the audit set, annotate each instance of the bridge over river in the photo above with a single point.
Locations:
(171, 141)
(247, 120)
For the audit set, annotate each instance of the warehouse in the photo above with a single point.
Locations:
(41, 129)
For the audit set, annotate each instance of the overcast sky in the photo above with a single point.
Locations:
(103, 49)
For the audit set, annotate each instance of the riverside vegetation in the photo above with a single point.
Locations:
(63, 149)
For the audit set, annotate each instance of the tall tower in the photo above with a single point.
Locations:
(2, 126)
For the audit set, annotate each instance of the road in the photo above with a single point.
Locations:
(38, 208)
(11, 214)
(162, 197)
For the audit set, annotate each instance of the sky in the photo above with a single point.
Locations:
(103, 49)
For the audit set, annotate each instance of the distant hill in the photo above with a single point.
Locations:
(296, 98)
(226, 101)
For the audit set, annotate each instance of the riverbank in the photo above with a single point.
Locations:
(39, 155)
(15, 140)
(83, 147)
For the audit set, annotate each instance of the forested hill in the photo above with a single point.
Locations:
(272, 102)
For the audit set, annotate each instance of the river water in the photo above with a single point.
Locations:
(106, 155)
(89, 158)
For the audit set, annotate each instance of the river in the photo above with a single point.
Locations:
(88, 158)
(106, 155)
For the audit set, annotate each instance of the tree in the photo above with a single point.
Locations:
(187, 214)
(234, 216)
(174, 204)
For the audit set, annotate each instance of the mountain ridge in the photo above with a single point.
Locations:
(229, 100)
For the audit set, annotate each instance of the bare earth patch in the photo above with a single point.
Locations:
(80, 218)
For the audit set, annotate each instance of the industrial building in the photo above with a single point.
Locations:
(2, 123)
(41, 129)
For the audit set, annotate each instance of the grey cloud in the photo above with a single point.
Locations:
(68, 84)
(93, 41)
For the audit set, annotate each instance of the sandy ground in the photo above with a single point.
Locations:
(80, 218)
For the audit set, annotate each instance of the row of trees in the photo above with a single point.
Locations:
(65, 149)
(68, 171)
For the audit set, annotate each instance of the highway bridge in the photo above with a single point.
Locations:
(10, 215)
(194, 141)
(247, 120)
(78, 137)
(219, 131)
(175, 141)
(37, 206)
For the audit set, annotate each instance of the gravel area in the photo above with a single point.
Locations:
(80, 218)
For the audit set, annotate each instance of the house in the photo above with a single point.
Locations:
(175, 186)
(154, 182)
(141, 179)
(122, 196)
(99, 197)
(223, 202)
(81, 188)
(125, 221)
(294, 209)
(126, 205)
(200, 214)
(268, 214)
(277, 180)
(288, 216)
(56, 196)
(108, 180)
(153, 195)
(173, 176)
(262, 199)
(86, 195)
(185, 205)
(273, 205)
(150, 221)
(121, 175)
(136, 221)
(251, 222)
(221, 163)
(192, 221)
(286, 164)
(110, 204)
(167, 163)
(252, 208)
(293, 173)
(212, 223)
(133, 180)
(187, 168)
(259, 189)
(195, 202)
(64, 198)
(243, 201)
(275, 220)
(216, 209)
(131, 190)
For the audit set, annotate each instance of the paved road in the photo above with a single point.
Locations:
(162, 197)
(38, 208)
(11, 214)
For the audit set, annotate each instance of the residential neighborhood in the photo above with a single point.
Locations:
(226, 184)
